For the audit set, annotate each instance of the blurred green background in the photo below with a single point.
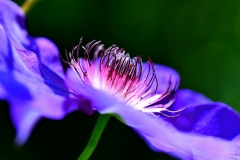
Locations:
(198, 38)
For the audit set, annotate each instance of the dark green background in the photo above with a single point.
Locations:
(198, 38)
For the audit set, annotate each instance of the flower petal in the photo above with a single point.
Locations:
(24, 120)
(49, 55)
(164, 75)
(6, 58)
(202, 116)
(9, 57)
(32, 100)
(13, 21)
(185, 97)
(165, 71)
(33, 67)
(28, 102)
(31, 89)
(33, 93)
(162, 135)
(27, 75)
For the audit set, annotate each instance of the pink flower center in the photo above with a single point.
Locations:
(115, 72)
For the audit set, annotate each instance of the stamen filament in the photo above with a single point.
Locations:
(115, 72)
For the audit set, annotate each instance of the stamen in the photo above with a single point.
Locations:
(113, 71)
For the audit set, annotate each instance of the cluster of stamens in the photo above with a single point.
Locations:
(115, 72)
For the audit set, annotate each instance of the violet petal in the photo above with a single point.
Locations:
(202, 116)
(185, 97)
(161, 135)
(28, 102)
(24, 120)
(34, 93)
(6, 58)
(31, 88)
(49, 55)
(164, 74)
(13, 21)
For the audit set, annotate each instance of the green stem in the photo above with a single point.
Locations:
(28, 4)
(96, 134)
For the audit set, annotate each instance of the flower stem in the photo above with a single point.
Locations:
(96, 134)
(28, 4)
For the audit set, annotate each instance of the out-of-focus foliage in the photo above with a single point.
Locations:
(200, 39)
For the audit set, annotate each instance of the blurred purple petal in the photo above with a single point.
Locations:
(49, 55)
(24, 120)
(4, 45)
(28, 102)
(13, 21)
(78, 103)
(36, 91)
(27, 75)
(5, 53)
(35, 94)
(13, 87)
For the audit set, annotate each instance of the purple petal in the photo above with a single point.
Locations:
(49, 55)
(36, 91)
(202, 116)
(35, 68)
(24, 120)
(79, 103)
(32, 88)
(4, 44)
(34, 94)
(30, 101)
(13, 21)
(185, 97)
(164, 75)
(27, 79)
(161, 135)
(9, 57)
(47, 89)
(6, 58)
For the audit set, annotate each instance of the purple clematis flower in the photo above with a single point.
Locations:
(139, 93)
(31, 75)
(32, 81)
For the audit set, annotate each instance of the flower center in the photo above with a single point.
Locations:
(115, 72)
